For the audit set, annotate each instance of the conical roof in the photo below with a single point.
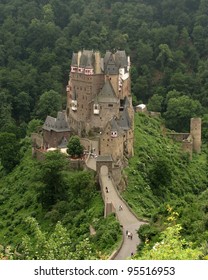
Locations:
(107, 93)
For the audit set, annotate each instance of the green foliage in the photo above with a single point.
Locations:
(79, 206)
(9, 151)
(55, 246)
(108, 233)
(168, 51)
(74, 147)
(155, 103)
(33, 125)
(160, 176)
(49, 104)
(160, 173)
(53, 188)
(171, 247)
(147, 232)
(179, 112)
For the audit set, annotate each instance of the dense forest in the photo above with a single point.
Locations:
(167, 42)
(168, 45)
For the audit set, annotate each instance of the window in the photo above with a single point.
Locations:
(110, 105)
(114, 134)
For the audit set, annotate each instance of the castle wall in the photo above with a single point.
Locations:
(126, 88)
(178, 136)
(86, 143)
(106, 113)
(86, 88)
(128, 143)
(37, 140)
(195, 130)
(111, 145)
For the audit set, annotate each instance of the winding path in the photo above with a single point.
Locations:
(127, 219)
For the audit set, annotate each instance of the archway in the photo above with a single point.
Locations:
(104, 170)
(104, 162)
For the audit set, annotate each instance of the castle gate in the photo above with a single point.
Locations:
(102, 161)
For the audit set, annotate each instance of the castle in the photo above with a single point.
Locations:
(99, 104)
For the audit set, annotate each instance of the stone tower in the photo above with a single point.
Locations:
(195, 131)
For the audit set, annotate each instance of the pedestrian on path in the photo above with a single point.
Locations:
(120, 208)
(130, 235)
(127, 232)
(106, 188)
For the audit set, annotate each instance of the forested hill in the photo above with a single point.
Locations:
(167, 42)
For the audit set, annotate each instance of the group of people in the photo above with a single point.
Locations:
(129, 234)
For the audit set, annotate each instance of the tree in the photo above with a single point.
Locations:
(74, 147)
(9, 150)
(21, 109)
(160, 176)
(55, 246)
(179, 112)
(5, 111)
(165, 55)
(53, 188)
(49, 104)
(172, 246)
(155, 103)
(33, 125)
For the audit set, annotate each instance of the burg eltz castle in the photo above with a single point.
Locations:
(99, 106)
(99, 110)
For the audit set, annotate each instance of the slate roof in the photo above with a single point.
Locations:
(104, 158)
(126, 102)
(109, 64)
(121, 59)
(124, 121)
(112, 62)
(107, 94)
(58, 124)
(87, 59)
(74, 59)
(115, 127)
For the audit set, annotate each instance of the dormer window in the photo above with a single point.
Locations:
(88, 71)
(114, 134)
(73, 69)
(80, 70)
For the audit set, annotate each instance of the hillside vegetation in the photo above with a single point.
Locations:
(160, 176)
(76, 203)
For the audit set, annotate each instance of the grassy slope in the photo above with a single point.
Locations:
(186, 192)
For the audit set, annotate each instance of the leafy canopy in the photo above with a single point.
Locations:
(74, 147)
(54, 246)
(172, 246)
(52, 177)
